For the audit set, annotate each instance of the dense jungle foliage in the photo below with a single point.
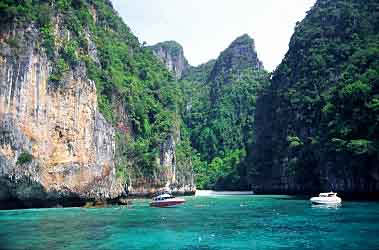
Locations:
(318, 121)
(220, 97)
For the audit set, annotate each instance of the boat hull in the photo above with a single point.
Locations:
(326, 200)
(167, 203)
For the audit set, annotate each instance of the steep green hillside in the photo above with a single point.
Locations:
(200, 73)
(220, 98)
(317, 123)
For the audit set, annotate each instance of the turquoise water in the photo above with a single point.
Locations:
(203, 223)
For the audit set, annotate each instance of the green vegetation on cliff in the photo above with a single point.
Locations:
(220, 107)
(136, 93)
(313, 125)
(200, 73)
(317, 124)
(23, 158)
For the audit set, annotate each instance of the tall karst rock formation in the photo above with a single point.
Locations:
(74, 118)
(317, 123)
(219, 98)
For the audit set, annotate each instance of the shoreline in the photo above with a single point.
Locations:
(127, 200)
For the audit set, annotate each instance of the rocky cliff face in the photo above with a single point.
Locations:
(171, 54)
(315, 124)
(69, 143)
(239, 56)
(173, 175)
(233, 65)
(57, 83)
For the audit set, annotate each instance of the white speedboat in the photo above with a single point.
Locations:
(326, 198)
(166, 200)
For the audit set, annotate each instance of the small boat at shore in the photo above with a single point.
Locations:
(326, 199)
(166, 200)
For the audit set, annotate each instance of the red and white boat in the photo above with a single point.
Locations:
(166, 200)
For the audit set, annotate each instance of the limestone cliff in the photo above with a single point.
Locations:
(316, 124)
(239, 56)
(79, 115)
(171, 54)
(173, 174)
(70, 143)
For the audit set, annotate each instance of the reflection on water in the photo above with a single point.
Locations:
(335, 206)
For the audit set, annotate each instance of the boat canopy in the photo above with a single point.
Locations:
(330, 194)
(162, 197)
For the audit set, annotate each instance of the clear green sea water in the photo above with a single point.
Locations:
(203, 223)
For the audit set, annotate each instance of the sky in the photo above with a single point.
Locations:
(206, 27)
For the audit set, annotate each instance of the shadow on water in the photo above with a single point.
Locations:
(285, 197)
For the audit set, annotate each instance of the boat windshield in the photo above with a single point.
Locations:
(163, 197)
(331, 194)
